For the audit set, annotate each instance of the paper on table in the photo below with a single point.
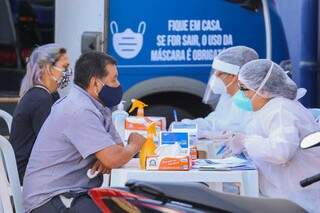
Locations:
(229, 163)
(229, 160)
(218, 167)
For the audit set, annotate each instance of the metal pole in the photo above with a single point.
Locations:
(268, 28)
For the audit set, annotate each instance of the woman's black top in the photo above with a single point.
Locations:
(29, 115)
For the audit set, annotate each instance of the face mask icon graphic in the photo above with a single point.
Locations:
(127, 44)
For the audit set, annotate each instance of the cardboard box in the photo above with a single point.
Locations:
(168, 163)
(139, 125)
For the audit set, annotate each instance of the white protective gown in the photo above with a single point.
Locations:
(226, 116)
(272, 142)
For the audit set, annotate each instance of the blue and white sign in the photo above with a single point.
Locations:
(160, 38)
(127, 44)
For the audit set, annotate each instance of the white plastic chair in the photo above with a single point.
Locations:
(9, 178)
(7, 117)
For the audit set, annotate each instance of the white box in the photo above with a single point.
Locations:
(170, 138)
(139, 125)
(191, 129)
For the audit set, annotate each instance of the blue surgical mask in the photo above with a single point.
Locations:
(110, 96)
(242, 101)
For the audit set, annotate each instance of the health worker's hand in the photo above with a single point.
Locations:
(235, 145)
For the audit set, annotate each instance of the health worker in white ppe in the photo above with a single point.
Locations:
(273, 135)
(223, 82)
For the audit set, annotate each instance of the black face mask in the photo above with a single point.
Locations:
(110, 96)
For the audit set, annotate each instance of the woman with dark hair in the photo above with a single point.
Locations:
(47, 70)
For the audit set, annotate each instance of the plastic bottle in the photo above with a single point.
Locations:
(193, 153)
(193, 147)
(118, 118)
(149, 147)
(138, 104)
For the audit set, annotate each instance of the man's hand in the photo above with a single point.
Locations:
(98, 166)
(116, 156)
(136, 140)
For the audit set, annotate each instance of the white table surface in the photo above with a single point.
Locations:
(131, 171)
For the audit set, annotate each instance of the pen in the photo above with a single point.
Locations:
(220, 151)
(175, 115)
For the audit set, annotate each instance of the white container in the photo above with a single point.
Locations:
(139, 125)
(119, 118)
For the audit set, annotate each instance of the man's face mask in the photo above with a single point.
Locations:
(110, 96)
(127, 44)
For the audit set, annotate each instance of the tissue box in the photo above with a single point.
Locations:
(171, 138)
(139, 125)
(168, 163)
(191, 129)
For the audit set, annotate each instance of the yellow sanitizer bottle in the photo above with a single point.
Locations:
(138, 104)
(149, 147)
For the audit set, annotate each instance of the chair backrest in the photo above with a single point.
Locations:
(5, 194)
(9, 178)
(7, 117)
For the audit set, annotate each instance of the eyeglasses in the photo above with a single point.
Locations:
(242, 88)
